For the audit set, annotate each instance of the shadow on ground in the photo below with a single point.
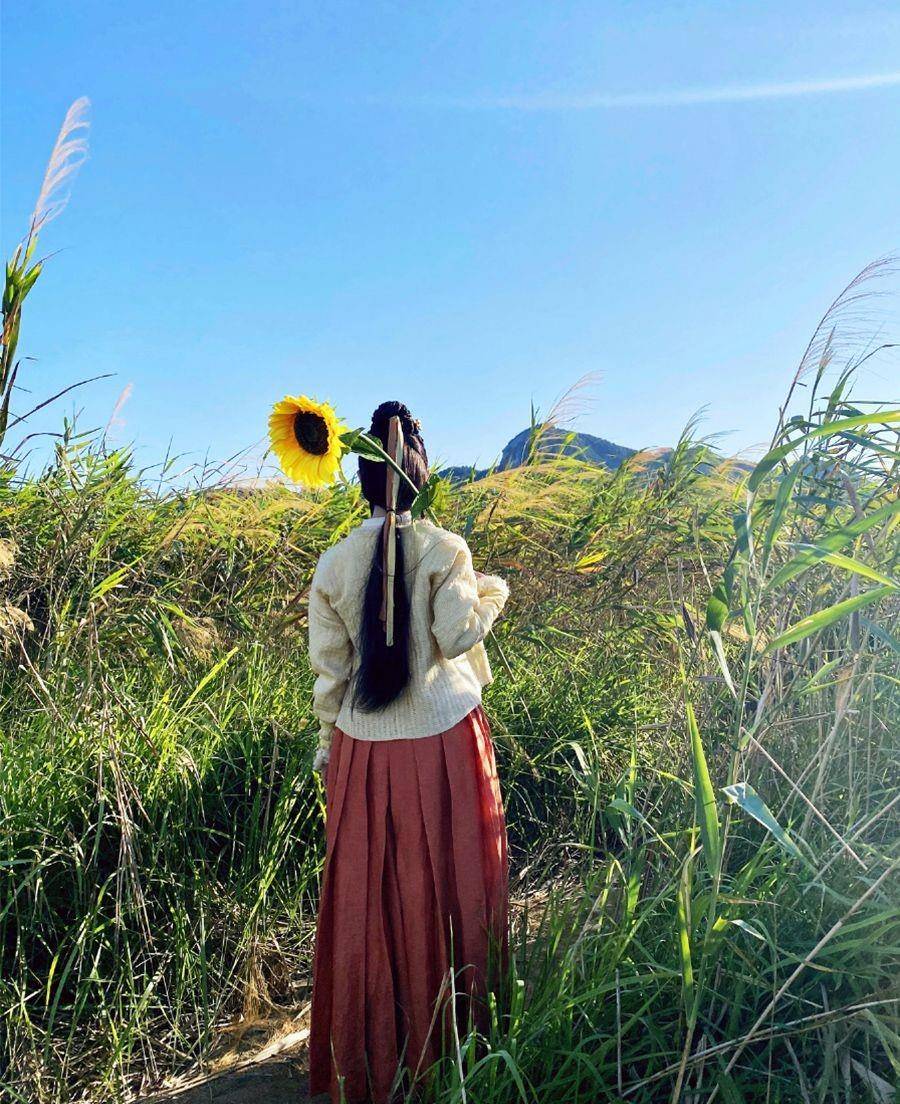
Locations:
(277, 1081)
(263, 1061)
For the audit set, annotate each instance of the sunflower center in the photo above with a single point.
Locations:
(311, 432)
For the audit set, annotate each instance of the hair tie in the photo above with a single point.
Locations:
(395, 445)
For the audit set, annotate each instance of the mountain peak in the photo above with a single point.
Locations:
(553, 440)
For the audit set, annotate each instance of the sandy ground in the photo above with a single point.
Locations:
(277, 1081)
(263, 1062)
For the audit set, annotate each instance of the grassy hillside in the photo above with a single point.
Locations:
(696, 716)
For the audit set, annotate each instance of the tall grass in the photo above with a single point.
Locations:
(736, 935)
(696, 717)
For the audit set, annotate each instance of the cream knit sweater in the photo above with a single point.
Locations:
(451, 611)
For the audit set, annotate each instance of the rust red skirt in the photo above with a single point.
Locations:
(413, 905)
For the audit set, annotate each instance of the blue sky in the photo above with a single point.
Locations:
(467, 206)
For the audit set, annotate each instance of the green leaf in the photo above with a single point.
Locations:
(745, 797)
(358, 441)
(855, 567)
(110, 582)
(729, 1090)
(768, 462)
(114, 579)
(684, 935)
(743, 531)
(426, 496)
(782, 499)
(822, 618)
(719, 651)
(881, 633)
(832, 543)
(749, 929)
(29, 279)
(580, 756)
(717, 608)
(704, 797)
(819, 680)
(210, 675)
(620, 807)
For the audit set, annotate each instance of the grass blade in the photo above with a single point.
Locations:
(704, 797)
(821, 619)
(745, 797)
(776, 455)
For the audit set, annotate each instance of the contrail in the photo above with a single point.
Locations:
(735, 93)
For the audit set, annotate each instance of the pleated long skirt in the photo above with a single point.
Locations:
(413, 906)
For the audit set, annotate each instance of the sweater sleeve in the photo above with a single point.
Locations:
(330, 657)
(464, 605)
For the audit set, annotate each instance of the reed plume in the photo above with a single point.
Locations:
(69, 153)
(22, 270)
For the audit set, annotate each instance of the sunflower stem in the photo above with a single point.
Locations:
(375, 445)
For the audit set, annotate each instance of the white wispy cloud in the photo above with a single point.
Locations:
(685, 97)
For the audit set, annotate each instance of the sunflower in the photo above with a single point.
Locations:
(305, 435)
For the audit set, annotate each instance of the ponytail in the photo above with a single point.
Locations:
(383, 644)
(383, 669)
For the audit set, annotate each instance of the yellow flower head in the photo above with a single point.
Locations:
(305, 435)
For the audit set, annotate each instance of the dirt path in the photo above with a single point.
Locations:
(276, 1081)
(264, 1062)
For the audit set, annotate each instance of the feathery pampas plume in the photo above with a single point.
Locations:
(68, 154)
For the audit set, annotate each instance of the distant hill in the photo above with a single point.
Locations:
(553, 441)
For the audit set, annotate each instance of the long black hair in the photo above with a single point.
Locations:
(384, 670)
